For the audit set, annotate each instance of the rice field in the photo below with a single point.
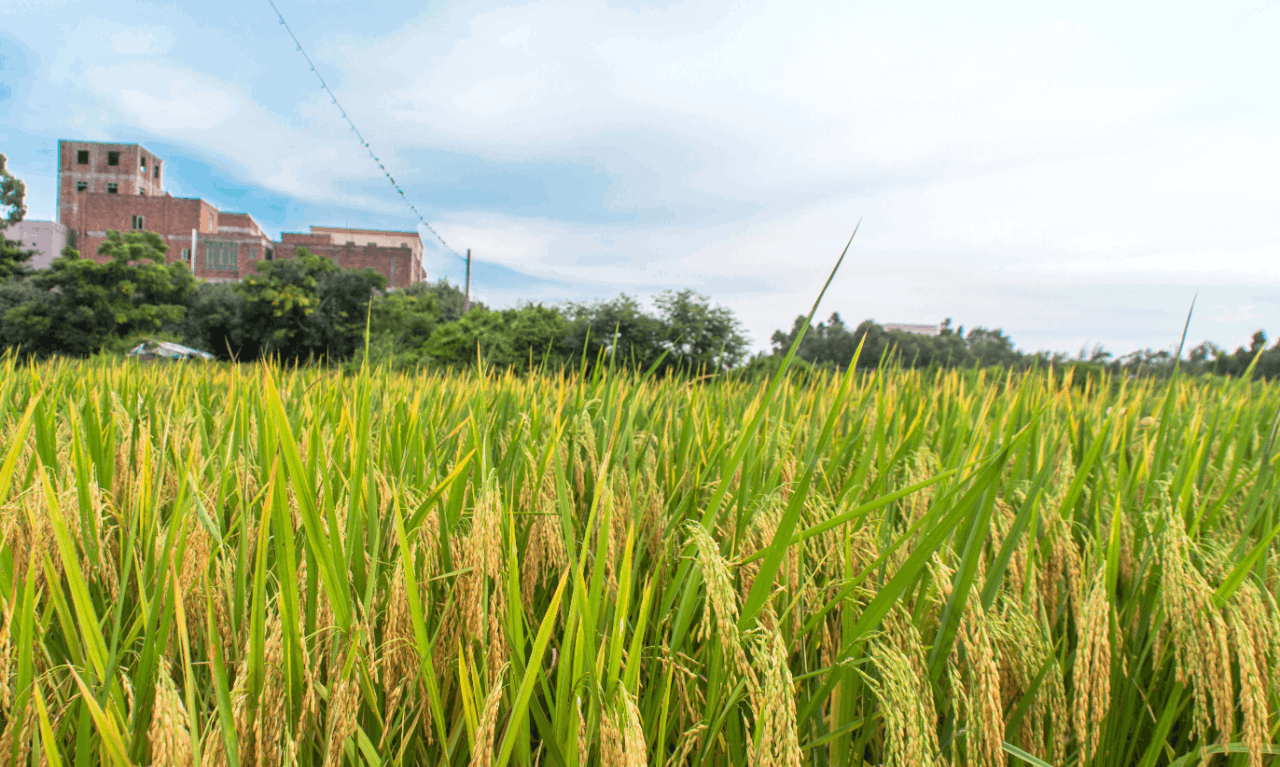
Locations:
(220, 565)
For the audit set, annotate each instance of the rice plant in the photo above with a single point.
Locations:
(252, 566)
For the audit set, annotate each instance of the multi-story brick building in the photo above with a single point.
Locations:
(119, 186)
(396, 255)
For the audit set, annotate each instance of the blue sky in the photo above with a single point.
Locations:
(1072, 175)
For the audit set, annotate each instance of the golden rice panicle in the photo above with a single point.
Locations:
(1197, 630)
(428, 544)
(613, 746)
(269, 722)
(21, 730)
(905, 693)
(1025, 653)
(1252, 629)
(720, 615)
(6, 658)
(584, 739)
(923, 465)
(773, 703)
(1060, 577)
(482, 555)
(487, 729)
(652, 515)
(497, 651)
(545, 554)
(398, 659)
(633, 735)
(168, 734)
(984, 740)
(767, 516)
(344, 705)
(1091, 675)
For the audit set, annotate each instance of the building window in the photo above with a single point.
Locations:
(220, 256)
(82, 186)
(270, 254)
(404, 244)
(186, 254)
(350, 243)
(142, 162)
(252, 254)
(82, 157)
(113, 158)
(157, 170)
(112, 188)
(137, 223)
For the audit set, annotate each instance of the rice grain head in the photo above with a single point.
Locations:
(486, 730)
(1092, 672)
(169, 736)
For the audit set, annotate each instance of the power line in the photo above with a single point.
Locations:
(325, 87)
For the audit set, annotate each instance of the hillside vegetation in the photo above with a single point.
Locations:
(247, 565)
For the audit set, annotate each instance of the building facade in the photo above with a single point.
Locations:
(396, 255)
(46, 238)
(920, 330)
(103, 186)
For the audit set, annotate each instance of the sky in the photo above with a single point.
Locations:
(1070, 173)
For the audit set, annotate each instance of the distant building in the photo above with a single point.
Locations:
(923, 330)
(46, 238)
(104, 186)
(396, 255)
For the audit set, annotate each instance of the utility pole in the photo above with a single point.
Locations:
(466, 297)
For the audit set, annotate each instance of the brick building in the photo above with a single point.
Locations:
(103, 186)
(397, 255)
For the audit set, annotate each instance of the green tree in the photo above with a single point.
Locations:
(344, 311)
(78, 304)
(698, 335)
(618, 331)
(215, 322)
(400, 324)
(522, 337)
(12, 195)
(13, 259)
(448, 298)
(304, 307)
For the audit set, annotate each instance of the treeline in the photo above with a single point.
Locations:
(306, 309)
(833, 344)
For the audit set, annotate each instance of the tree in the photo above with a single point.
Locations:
(12, 194)
(448, 297)
(215, 322)
(699, 336)
(344, 310)
(303, 307)
(79, 304)
(522, 337)
(991, 347)
(619, 329)
(400, 324)
(13, 259)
